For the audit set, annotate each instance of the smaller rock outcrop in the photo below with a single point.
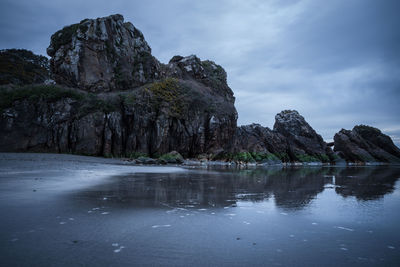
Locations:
(21, 67)
(302, 139)
(366, 144)
(292, 139)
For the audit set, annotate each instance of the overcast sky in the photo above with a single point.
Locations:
(336, 62)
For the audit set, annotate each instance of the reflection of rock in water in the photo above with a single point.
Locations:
(292, 188)
(366, 183)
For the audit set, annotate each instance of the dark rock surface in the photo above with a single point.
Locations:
(366, 144)
(20, 67)
(102, 54)
(302, 139)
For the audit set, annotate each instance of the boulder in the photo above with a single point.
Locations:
(303, 141)
(366, 144)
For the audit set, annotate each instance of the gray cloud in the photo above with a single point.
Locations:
(337, 62)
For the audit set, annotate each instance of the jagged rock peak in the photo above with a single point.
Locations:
(301, 137)
(207, 72)
(290, 122)
(193, 66)
(102, 54)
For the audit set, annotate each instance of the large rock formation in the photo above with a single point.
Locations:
(292, 139)
(185, 105)
(114, 98)
(102, 54)
(366, 144)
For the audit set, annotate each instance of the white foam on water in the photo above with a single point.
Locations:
(345, 249)
(182, 216)
(89, 211)
(189, 206)
(314, 223)
(181, 209)
(391, 247)
(259, 211)
(162, 225)
(212, 213)
(118, 250)
(230, 214)
(171, 211)
(62, 222)
(227, 207)
(291, 236)
(115, 244)
(71, 219)
(95, 208)
(14, 240)
(201, 209)
(104, 198)
(246, 222)
(284, 213)
(344, 228)
(369, 231)
(305, 240)
(105, 213)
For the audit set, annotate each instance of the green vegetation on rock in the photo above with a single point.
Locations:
(243, 157)
(307, 158)
(34, 93)
(63, 36)
(51, 93)
(169, 94)
(20, 66)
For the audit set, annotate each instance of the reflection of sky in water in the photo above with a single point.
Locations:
(197, 217)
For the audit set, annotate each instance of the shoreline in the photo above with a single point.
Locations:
(197, 162)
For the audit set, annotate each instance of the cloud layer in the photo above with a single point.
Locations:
(336, 62)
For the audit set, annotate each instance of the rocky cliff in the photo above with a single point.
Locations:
(366, 144)
(112, 97)
(138, 105)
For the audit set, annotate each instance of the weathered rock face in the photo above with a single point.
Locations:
(366, 144)
(259, 139)
(301, 137)
(102, 54)
(20, 67)
(163, 116)
(292, 139)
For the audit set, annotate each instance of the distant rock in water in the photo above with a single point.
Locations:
(366, 144)
(292, 139)
(20, 67)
